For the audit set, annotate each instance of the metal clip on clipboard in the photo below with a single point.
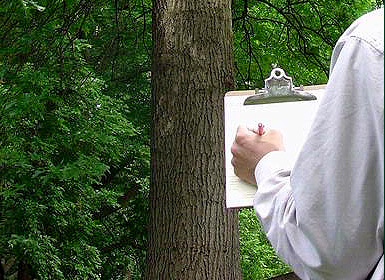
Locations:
(278, 88)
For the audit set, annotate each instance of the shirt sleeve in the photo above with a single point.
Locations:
(325, 216)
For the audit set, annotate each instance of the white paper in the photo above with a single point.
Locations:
(293, 119)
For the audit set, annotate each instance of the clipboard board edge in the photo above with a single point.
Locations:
(252, 92)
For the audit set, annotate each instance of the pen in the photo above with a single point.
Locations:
(260, 129)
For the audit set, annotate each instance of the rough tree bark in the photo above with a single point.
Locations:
(191, 234)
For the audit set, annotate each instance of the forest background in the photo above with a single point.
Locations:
(75, 118)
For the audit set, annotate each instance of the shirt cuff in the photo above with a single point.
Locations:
(272, 164)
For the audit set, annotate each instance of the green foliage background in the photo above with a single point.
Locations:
(75, 125)
(74, 153)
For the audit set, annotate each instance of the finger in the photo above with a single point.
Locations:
(243, 133)
(234, 148)
(236, 171)
(242, 129)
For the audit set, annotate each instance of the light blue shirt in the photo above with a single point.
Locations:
(325, 216)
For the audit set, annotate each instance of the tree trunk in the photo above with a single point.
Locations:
(24, 271)
(191, 234)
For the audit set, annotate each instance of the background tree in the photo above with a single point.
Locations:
(191, 234)
(297, 36)
(74, 135)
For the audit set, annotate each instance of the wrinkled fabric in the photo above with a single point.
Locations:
(325, 216)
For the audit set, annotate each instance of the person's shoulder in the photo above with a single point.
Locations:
(368, 28)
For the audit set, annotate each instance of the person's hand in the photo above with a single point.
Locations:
(249, 148)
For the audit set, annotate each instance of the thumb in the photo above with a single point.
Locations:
(243, 130)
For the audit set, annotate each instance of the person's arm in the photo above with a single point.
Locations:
(325, 217)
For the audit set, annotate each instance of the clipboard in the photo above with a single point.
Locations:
(279, 106)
